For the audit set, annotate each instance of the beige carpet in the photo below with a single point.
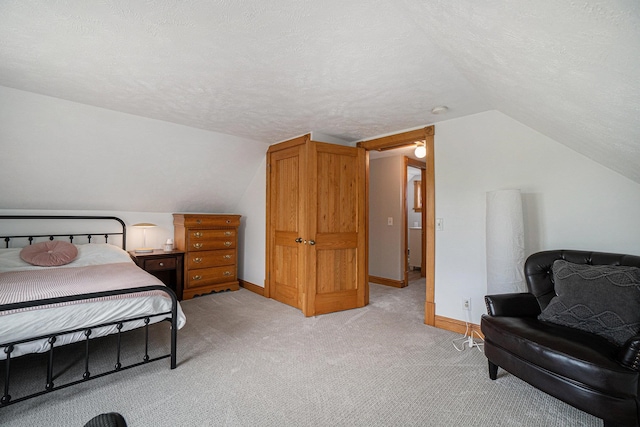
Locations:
(248, 361)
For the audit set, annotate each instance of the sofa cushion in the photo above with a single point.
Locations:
(580, 356)
(601, 299)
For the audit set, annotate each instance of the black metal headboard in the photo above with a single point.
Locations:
(70, 236)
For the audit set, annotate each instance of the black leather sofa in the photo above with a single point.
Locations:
(580, 368)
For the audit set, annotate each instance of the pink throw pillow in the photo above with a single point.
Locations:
(49, 254)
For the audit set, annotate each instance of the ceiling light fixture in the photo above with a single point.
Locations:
(441, 109)
(421, 150)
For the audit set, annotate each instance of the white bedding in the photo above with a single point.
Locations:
(15, 326)
(89, 254)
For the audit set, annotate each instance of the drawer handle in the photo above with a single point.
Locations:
(197, 234)
(227, 233)
(197, 277)
(227, 273)
(197, 245)
(161, 264)
(197, 260)
(227, 243)
(227, 257)
(198, 221)
(228, 221)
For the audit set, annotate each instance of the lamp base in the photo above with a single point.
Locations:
(143, 250)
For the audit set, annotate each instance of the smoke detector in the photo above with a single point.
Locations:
(441, 109)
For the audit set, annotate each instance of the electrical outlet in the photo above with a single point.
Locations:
(466, 303)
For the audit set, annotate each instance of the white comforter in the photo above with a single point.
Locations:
(89, 272)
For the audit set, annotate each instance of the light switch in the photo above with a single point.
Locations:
(439, 224)
(390, 220)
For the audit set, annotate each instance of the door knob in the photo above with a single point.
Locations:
(312, 242)
(299, 240)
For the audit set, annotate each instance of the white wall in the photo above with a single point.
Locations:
(156, 236)
(57, 154)
(252, 233)
(385, 201)
(570, 201)
(61, 157)
(118, 163)
(251, 238)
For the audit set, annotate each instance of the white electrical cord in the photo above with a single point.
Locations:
(468, 339)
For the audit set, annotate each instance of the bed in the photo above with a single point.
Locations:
(96, 291)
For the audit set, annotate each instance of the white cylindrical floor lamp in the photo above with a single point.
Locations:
(505, 242)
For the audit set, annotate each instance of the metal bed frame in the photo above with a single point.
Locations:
(8, 347)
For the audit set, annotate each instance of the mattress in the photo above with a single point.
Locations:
(98, 267)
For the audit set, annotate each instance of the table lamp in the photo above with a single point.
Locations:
(144, 226)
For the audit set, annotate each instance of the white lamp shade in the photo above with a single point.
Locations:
(420, 151)
(144, 226)
(505, 242)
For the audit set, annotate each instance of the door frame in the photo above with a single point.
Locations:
(405, 139)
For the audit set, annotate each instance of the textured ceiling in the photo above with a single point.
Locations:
(270, 70)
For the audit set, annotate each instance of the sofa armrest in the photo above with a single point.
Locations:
(629, 354)
(512, 305)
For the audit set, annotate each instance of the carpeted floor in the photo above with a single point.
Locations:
(249, 361)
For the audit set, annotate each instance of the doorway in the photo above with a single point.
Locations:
(409, 139)
(415, 217)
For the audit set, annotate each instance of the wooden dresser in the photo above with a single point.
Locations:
(210, 243)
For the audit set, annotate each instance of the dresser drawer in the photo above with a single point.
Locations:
(208, 221)
(160, 264)
(205, 259)
(197, 235)
(207, 276)
(211, 244)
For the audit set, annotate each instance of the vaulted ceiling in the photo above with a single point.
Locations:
(270, 70)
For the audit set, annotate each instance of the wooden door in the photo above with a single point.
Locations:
(285, 216)
(336, 224)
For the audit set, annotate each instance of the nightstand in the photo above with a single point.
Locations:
(166, 266)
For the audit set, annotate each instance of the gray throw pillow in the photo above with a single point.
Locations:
(601, 299)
